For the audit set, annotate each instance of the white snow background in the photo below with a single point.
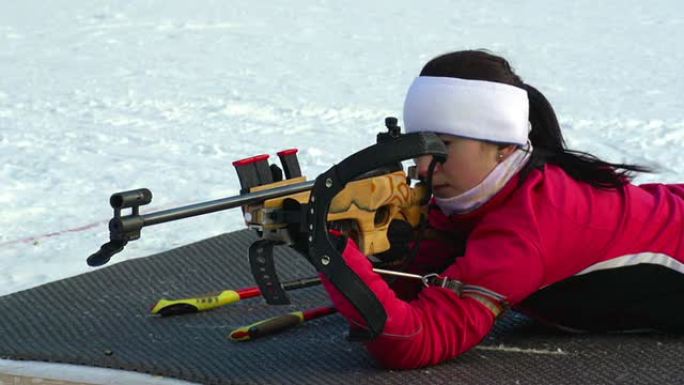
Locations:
(101, 96)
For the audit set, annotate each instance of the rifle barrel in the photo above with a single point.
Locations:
(222, 204)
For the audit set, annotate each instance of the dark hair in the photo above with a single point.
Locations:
(546, 137)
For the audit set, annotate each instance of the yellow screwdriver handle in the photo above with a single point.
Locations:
(192, 305)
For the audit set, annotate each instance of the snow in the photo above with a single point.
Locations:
(102, 96)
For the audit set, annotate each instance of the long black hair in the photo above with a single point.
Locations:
(546, 136)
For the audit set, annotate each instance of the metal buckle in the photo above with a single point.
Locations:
(432, 279)
(439, 281)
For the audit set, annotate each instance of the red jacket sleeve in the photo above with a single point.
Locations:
(436, 326)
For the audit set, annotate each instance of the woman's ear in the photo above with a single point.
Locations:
(504, 152)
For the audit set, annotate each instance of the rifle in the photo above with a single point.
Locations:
(364, 196)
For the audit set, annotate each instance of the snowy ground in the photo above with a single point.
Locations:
(100, 96)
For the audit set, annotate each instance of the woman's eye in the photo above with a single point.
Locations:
(446, 140)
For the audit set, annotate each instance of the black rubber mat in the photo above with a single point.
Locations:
(102, 319)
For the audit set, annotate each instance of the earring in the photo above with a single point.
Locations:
(499, 157)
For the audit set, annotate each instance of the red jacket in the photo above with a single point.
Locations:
(525, 238)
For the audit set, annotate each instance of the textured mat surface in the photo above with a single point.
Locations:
(102, 319)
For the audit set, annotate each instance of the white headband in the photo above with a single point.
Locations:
(473, 109)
